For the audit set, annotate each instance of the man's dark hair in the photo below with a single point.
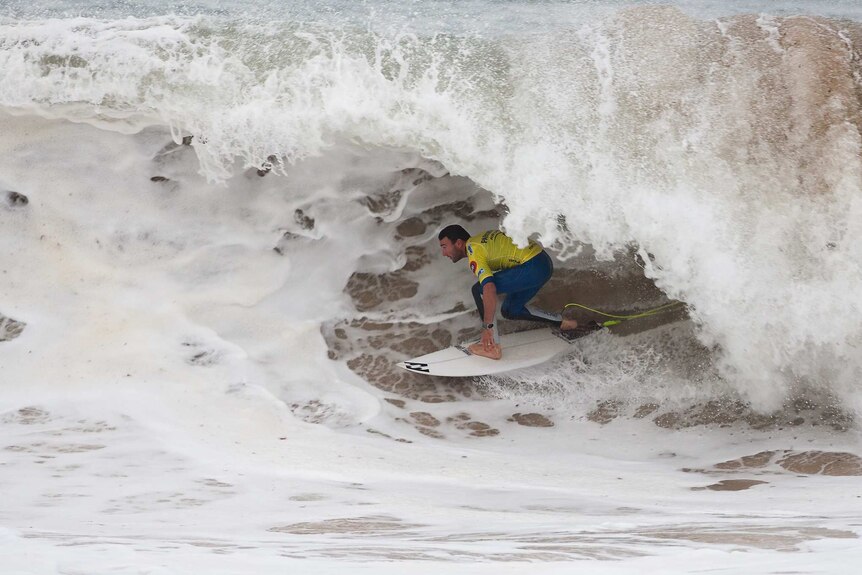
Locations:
(454, 232)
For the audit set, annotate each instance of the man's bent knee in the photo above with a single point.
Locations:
(508, 313)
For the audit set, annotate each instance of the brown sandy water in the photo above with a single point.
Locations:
(836, 464)
(9, 328)
(767, 464)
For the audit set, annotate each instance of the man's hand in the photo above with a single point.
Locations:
(487, 347)
(487, 339)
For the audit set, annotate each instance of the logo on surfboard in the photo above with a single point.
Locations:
(416, 366)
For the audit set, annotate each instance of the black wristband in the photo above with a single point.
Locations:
(488, 325)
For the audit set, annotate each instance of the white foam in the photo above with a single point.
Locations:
(168, 348)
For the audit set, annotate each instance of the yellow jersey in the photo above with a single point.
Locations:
(493, 251)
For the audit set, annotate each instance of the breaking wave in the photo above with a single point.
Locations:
(217, 174)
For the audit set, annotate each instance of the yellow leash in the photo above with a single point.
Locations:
(621, 318)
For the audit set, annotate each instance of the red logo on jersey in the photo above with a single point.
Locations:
(473, 267)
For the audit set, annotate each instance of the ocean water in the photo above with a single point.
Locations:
(218, 229)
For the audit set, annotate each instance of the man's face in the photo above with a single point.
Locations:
(452, 250)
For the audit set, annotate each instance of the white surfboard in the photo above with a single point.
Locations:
(521, 349)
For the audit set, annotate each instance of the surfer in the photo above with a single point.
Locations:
(501, 267)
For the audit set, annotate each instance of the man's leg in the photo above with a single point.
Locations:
(521, 284)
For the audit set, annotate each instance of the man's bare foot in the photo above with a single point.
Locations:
(496, 352)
